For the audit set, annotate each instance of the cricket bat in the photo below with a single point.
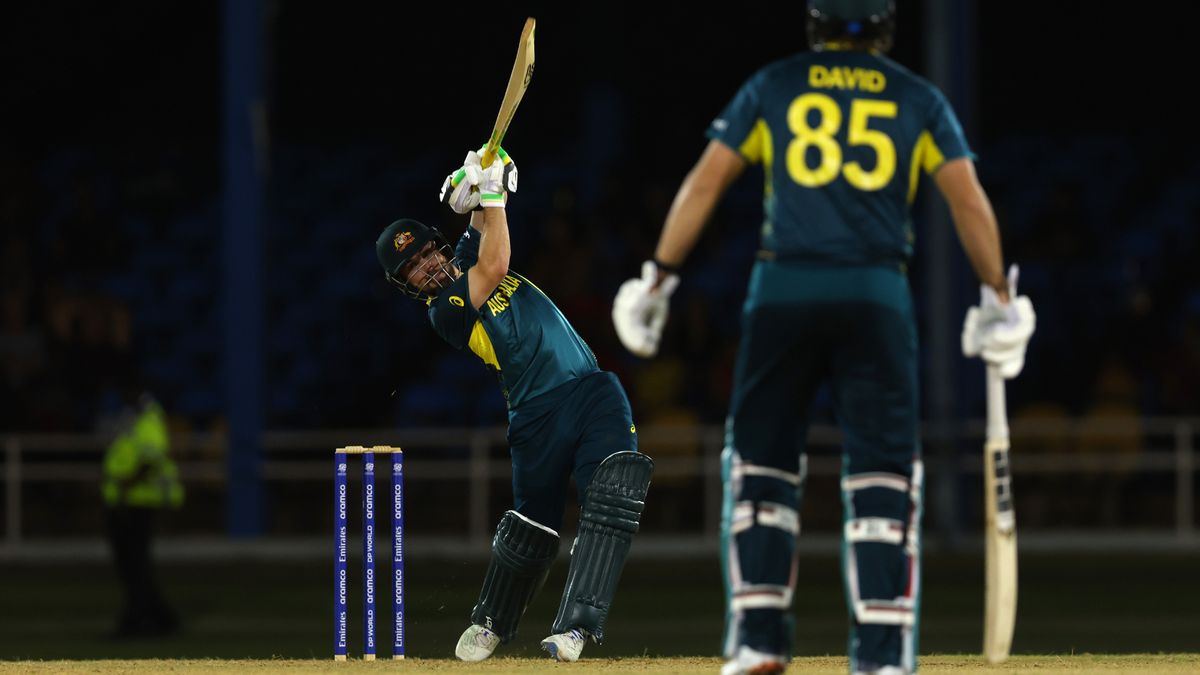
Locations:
(518, 82)
(1000, 596)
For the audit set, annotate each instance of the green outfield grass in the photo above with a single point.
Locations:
(1086, 603)
(678, 665)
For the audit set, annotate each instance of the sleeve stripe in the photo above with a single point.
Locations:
(757, 146)
(926, 155)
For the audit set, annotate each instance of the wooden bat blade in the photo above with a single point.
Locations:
(518, 82)
(1000, 524)
(1000, 595)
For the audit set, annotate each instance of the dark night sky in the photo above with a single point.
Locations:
(112, 73)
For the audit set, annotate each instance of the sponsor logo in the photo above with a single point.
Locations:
(371, 631)
(456, 301)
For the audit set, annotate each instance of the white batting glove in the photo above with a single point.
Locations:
(498, 179)
(460, 190)
(640, 310)
(998, 332)
(510, 168)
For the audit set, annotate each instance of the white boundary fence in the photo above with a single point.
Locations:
(1165, 446)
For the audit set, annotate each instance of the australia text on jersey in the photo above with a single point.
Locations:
(499, 300)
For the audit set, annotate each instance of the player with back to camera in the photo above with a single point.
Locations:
(843, 134)
(566, 416)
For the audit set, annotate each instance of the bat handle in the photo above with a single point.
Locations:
(489, 155)
(997, 412)
(485, 160)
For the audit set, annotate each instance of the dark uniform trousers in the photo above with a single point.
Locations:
(566, 431)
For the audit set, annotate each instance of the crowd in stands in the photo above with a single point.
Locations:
(111, 266)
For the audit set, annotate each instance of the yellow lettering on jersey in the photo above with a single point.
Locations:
(835, 80)
(509, 285)
(481, 344)
(817, 77)
(523, 280)
(504, 290)
(844, 77)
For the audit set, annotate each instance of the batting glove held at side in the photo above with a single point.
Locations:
(640, 310)
(998, 332)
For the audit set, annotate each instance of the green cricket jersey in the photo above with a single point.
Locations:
(843, 138)
(518, 332)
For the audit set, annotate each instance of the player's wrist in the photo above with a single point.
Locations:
(491, 200)
(665, 268)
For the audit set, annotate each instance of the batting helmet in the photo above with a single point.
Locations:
(861, 22)
(398, 244)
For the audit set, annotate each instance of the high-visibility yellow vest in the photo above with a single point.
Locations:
(143, 443)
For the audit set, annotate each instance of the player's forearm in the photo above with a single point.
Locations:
(494, 246)
(980, 237)
(718, 166)
(477, 220)
(689, 212)
(974, 220)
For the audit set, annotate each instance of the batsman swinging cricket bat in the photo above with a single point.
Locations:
(1000, 596)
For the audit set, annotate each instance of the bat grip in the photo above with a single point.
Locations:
(489, 156)
(997, 412)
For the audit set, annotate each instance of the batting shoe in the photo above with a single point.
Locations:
(566, 646)
(476, 644)
(747, 661)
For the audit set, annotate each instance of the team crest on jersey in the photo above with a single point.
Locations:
(402, 240)
(456, 301)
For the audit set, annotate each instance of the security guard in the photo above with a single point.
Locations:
(139, 481)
